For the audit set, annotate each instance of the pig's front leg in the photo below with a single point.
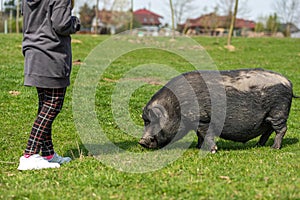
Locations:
(207, 137)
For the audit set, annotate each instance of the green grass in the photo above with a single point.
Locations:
(237, 171)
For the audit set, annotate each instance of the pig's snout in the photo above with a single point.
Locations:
(149, 142)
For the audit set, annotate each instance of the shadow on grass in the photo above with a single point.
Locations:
(288, 141)
(96, 149)
(119, 147)
(134, 147)
(230, 145)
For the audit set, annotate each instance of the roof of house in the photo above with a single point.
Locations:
(215, 21)
(243, 23)
(146, 17)
(112, 17)
(293, 27)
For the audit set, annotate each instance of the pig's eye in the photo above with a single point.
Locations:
(146, 122)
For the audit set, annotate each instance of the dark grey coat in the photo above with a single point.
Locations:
(47, 25)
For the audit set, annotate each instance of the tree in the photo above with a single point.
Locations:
(182, 7)
(12, 9)
(86, 15)
(126, 24)
(120, 5)
(173, 18)
(131, 17)
(9, 5)
(261, 24)
(97, 15)
(259, 27)
(18, 17)
(226, 7)
(180, 11)
(272, 24)
(288, 11)
(233, 19)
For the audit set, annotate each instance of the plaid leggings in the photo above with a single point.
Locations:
(50, 104)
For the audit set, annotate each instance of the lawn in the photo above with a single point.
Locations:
(237, 171)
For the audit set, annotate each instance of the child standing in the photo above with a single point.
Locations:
(47, 26)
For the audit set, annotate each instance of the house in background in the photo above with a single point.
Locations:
(111, 22)
(294, 30)
(149, 21)
(215, 25)
(295, 35)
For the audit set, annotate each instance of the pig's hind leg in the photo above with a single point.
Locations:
(278, 120)
(280, 132)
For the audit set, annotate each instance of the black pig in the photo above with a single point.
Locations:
(236, 105)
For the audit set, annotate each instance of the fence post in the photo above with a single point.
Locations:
(5, 26)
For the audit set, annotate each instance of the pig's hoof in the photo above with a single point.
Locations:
(214, 149)
(275, 146)
(199, 146)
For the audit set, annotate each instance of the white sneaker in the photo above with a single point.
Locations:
(35, 162)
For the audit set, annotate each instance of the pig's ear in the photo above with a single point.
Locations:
(158, 112)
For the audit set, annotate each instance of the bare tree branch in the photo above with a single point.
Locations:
(120, 5)
(182, 9)
(226, 7)
(288, 12)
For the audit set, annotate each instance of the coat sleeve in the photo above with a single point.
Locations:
(63, 22)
